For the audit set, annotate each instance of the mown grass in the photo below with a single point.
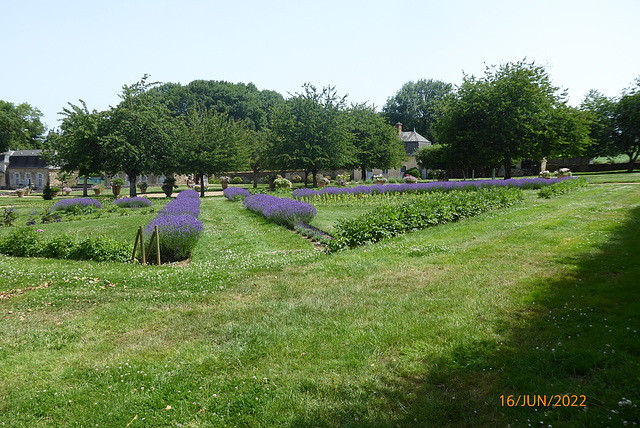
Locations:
(262, 329)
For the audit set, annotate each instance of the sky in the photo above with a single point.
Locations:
(57, 52)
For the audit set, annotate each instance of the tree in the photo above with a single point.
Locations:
(259, 148)
(310, 132)
(615, 124)
(376, 143)
(514, 112)
(78, 145)
(20, 127)
(242, 102)
(415, 105)
(141, 137)
(212, 144)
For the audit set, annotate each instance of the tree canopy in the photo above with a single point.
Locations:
(310, 132)
(513, 112)
(376, 143)
(20, 127)
(141, 135)
(615, 125)
(416, 104)
(211, 144)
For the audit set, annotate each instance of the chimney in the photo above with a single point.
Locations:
(399, 126)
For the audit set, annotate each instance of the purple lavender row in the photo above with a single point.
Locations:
(135, 202)
(524, 183)
(66, 204)
(282, 211)
(178, 226)
(236, 193)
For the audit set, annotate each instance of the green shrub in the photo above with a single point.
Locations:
(28, 242)
(237, 180)
(21, 242)
(9, 216)
(562, 187)
(419, 212)
(415, 172)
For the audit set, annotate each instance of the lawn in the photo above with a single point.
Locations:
(440, 327)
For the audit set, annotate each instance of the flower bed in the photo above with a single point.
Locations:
(178, 227)
(419, 212)
(329, 193)
(235, 194)
(282, 211)
(77, 205)
(135, 202)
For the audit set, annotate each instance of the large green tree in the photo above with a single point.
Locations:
(78, 145)
(242, 102)
(513, 112)
(310, 132)
(211, 143)
(20, 127)
(415, 105)
(615, 123)
(142, 135)
(376, 143)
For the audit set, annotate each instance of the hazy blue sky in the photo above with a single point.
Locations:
(55, 52)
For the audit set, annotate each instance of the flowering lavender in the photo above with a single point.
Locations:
(283, 211)
(236, 193)
(178, 226)
(330, 192)
(178, 235)
(136, 202)
(77, 205)
(185, 205)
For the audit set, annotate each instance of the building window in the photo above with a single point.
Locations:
(16, 179)
(40, 180)
(385, 171)
(27, 179)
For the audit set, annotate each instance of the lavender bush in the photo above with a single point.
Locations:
(284, 211)
(236, 193)
(178, 235)
(136, 202)
(329, 193)
(77, 205)
(178, 227)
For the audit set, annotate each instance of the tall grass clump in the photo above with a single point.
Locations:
(178, 227)
(283, 211)
(419, 212)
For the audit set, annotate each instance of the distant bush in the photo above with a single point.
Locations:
(77, 206)
(135, 202)
(236, 193)
(414, 172)
(237, 180)
(561, 187)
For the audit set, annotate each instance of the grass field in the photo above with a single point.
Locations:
(441, 327)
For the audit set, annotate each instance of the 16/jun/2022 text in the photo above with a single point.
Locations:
(532, 400)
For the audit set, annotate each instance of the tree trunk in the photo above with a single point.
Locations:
(132, 184)
(507, 167)
(201, 178)
(314, 172)
(306, 175)
(255, 178)
(364, 173)
(85, 185)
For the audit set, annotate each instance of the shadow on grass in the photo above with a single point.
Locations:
(580, 339)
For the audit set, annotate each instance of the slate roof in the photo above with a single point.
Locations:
(413, 141)
(27, 159)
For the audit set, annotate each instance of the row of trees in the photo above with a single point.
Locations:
(514, 112)
(227, 127)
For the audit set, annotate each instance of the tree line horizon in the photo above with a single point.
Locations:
(210, 127)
